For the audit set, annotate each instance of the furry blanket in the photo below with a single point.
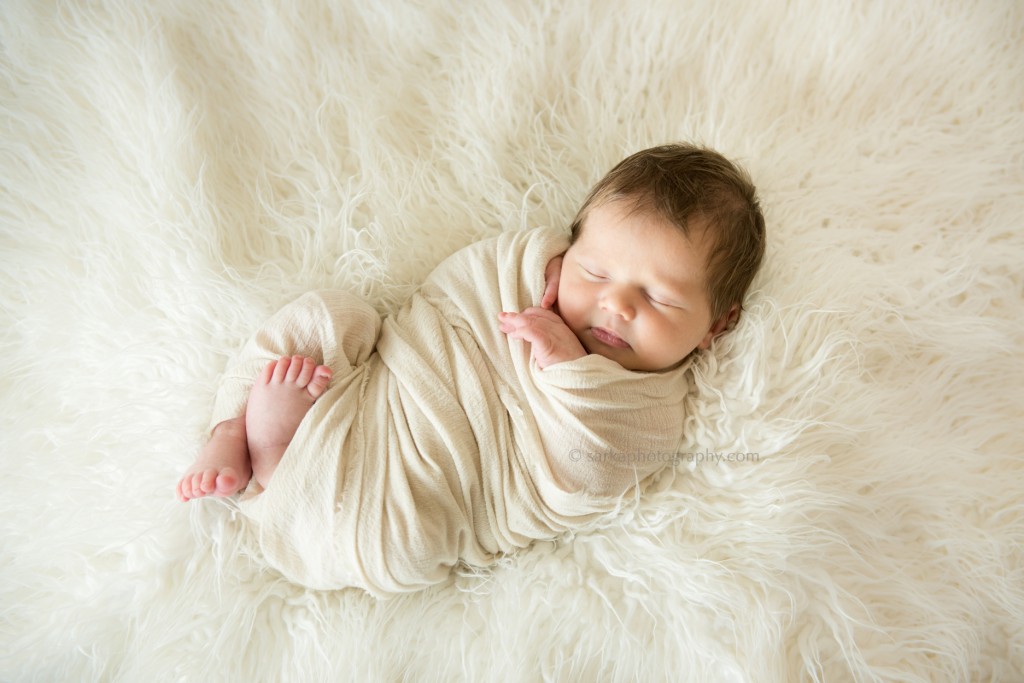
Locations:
(172, 172)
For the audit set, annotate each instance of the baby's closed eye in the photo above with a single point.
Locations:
(660, 299)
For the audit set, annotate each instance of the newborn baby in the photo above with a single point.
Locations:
(531, 382)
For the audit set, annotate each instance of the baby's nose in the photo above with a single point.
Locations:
(619, 302)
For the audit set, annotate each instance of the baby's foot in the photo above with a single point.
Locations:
(280, 398)
(222, 467)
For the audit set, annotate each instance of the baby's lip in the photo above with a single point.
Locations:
(606, 336)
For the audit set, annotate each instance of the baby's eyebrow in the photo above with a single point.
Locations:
(586, 262)
(683, 288)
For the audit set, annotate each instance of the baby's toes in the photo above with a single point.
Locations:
(321, 379)
(305, 373)
(226, 482)
(208, 482)
(185, 486)
(295, 368)
(190, 486)
(184, 489)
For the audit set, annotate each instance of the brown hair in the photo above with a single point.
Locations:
(694, 187)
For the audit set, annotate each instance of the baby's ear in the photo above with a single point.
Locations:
(727, 321)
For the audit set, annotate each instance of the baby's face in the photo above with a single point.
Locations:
(632, 288)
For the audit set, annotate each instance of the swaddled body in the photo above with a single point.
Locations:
(440, 439)
(519, 393)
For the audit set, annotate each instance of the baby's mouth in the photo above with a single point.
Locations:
(608, 337)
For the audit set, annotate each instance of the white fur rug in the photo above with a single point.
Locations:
(173, 172)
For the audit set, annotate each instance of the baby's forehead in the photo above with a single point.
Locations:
(695, 230)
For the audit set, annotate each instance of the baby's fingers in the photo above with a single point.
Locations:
(518, 326)
(538, 313)
(550, 294)
(509, 322)
(552, 273)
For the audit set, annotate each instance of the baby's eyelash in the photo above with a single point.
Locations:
(660, 302)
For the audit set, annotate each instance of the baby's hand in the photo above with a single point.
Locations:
(552, 273)
(551, 340)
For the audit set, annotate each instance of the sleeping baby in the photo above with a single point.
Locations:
(529, 384)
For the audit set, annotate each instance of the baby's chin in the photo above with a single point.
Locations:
(629, 358)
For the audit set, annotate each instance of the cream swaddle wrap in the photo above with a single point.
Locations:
(439, 438)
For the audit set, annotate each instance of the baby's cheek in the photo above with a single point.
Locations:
(684, 338)
(570, 308)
